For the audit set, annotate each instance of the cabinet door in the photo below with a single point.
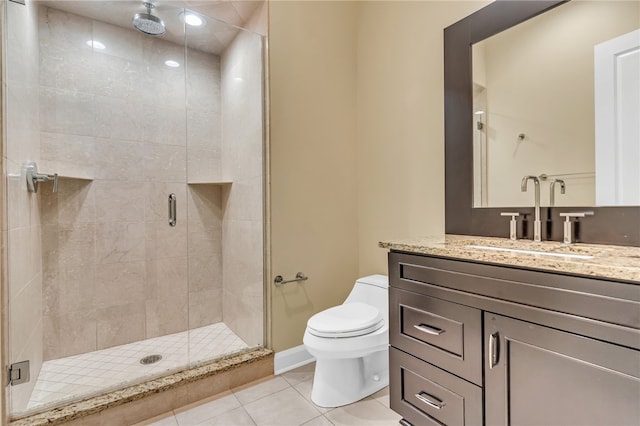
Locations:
(536, 375)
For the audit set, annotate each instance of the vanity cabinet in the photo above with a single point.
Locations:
(474, 343)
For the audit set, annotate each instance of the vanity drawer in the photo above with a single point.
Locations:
(442, 333)
(424, 394)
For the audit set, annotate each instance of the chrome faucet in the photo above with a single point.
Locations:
(537, 226)
(552, 189)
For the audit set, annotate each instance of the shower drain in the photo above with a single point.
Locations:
(150, 359)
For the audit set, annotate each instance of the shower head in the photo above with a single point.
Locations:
(147, 23)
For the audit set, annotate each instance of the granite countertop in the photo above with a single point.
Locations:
(607, 261)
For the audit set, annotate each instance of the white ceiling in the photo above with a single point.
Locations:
(213, 37)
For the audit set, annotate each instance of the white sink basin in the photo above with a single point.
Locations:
(536, 252)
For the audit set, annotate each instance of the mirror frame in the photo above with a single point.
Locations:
(608, 225)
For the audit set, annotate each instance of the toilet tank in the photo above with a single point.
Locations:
(372, 290)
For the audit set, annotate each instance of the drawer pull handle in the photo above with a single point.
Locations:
(430, 400)
(429, 329)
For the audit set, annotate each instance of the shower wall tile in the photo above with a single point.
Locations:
(120, 324)
(163, 86)
(164, 241)
(70, 154)
(205, 208)
(205, 272)
(67, 69)
(69, 289)
(242, 146)
(165, 163)
(205, 307)
(76, 246)
(118, 242)
(244, 200)
(29, 299)
(118, 118)
(75, 203)
(23, 227)
(116, 77)
(64, 31)
(167, 311)
(24, 254)
(21, 202)
(120, 283)
(125, 44)
(22, 121)
(204, 165)
(68, 111)
(165, 125)
(119, 160)
(203, 81)
(204, 130)
(69, 333)
(119, 201)
(205, 213)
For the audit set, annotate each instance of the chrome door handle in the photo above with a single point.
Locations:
(494, 349)
(429, 329)
(430, 400)
(172, 210)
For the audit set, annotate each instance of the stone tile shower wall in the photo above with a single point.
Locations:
(115, 124)
(242, 160)
(22, 230)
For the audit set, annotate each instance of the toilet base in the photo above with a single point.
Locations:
(338, 382)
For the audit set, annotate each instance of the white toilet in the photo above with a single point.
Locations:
(350, 343)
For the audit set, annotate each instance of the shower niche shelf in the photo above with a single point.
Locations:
(226, 182)
(65, 171)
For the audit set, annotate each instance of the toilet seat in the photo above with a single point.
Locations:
(347, 320)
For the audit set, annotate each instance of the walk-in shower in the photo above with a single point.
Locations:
(148, 257)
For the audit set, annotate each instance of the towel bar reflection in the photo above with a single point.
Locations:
(278, 280)
(172, 209)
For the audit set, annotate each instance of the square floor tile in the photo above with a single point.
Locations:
(284, 408)
(236, 417)
(254, 391)
(366, 412)
(204, 411)
(300, 374)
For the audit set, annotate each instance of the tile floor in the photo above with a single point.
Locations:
(65, 379)
(283, 400)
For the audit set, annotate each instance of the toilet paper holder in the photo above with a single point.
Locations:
(279, 280)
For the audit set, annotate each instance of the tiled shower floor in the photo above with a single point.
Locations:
(94, 372)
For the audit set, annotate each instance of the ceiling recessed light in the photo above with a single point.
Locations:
(172, 64)
(96, 44)
(193, 19)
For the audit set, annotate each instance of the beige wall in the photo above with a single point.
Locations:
(357, 149)
(400, 104)
(313, 160)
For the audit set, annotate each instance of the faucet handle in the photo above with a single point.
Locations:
(568, 228)
(513, 233)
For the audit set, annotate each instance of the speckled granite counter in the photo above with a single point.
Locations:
(614, 262)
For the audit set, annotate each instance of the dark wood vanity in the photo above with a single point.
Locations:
(476, 343)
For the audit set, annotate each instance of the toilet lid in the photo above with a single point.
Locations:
(348, 320)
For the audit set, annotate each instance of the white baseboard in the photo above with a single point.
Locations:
(291, 358)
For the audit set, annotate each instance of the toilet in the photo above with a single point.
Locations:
(350, 343)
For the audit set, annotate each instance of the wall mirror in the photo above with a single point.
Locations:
(520, 90)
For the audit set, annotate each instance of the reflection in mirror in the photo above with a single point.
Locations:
(534, 110)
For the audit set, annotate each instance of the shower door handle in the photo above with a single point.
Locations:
(172, 209)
